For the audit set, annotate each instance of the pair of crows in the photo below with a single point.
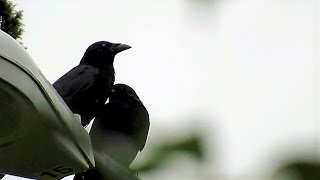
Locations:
(121, 126)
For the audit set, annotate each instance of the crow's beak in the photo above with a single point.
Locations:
(116, 48)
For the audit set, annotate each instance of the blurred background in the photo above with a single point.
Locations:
(231, 86)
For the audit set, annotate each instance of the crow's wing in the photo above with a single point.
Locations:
(136, 116)
(141, 124)
(76, 82)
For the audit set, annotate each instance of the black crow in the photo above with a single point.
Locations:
(86, 87)
(121, 131)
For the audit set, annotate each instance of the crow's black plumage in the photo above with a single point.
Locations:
(86, 87)
(121, 131)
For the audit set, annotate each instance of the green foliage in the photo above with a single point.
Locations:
(11, 20)
(191, 145)
(300, 170)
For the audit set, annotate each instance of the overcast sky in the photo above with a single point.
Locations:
(245, 71)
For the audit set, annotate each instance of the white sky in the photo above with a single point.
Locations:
(245, 69)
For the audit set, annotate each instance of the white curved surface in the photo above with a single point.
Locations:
(39, 136)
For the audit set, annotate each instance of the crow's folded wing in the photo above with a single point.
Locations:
(76, 82)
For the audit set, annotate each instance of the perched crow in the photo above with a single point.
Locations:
(121, 131)
(86, 87)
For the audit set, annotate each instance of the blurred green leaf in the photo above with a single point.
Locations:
(300, 170)
(189, 144)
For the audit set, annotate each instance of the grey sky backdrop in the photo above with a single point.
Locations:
(243, 71)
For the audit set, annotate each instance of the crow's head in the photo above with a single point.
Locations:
(102, 52)
(122, 92)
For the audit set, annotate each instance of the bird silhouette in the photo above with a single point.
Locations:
(86, 87)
